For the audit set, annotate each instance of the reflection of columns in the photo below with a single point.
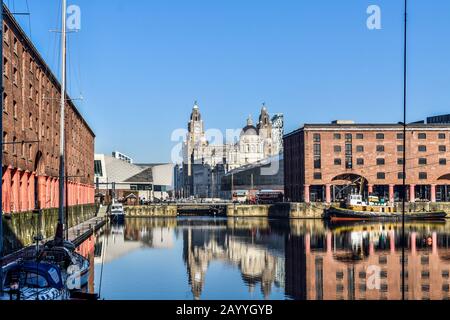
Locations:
(434, 246)
(412, 193)
(433, 193)
(307, 243)
(391, 193)
(392, 241)
(413, 244)
(306, 193)
(371, 248)
(328, 193)
(370, 188)
(329, 243)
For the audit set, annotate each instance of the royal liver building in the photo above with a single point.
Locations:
(205, 163)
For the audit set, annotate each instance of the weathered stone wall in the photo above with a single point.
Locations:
(151, 211)
(278, 210)
(425, 206)
(20, 229)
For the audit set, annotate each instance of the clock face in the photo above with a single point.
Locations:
(197, 129)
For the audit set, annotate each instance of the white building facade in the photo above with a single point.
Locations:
(204, 163)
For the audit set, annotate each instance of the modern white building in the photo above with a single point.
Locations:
(118, 178)
(121, 156)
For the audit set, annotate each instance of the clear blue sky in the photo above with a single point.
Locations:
(140, 64)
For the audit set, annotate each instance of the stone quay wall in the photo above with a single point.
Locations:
(151, 211)
(19, 229)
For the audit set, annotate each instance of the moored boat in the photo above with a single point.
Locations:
(117, 212)
(30, 280)
(357, 210)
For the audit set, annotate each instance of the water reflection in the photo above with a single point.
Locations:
(202, 258)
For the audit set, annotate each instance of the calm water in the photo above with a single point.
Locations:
(203, 258)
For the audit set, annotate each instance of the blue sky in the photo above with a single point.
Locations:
(140, 64)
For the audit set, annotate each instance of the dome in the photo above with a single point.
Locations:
(249, 129)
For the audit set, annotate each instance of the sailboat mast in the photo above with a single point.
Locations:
(62, 125)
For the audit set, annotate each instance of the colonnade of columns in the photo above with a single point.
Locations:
(370, 188)
(19, 192)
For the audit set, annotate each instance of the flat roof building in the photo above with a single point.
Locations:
(31, 131)
(325, 162)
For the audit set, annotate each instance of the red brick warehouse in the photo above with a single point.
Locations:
(324, 162)
(31, 131)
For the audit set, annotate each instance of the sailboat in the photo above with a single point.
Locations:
(60, 251)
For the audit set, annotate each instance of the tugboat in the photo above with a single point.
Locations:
(358, 210)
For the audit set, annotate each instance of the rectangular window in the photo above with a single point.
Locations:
(400, 148)
(400, 161)
(5, 67)
(380, 148)
(422, 148)
(442, 148)
(360, 161)
(15, 109)
(317, 156)
(359, 136)
(5, 102)
(98, 168)
(381, 162)
(5, 139)
(15, 76)
(380, 136)
(316, 137)
(381, 175)
(337, 136)
(337, 149)
(15, 45)
(399, 136)
(422, 136)
(442, 162)
(337, 162)
(441, 136)
(400, 175)
(422, 161)
(6, 34)
(359, 148)
(423, 175)
(317, 176)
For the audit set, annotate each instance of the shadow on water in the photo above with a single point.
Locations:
(259, 258)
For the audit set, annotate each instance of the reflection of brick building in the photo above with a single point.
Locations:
(339, 273)
(31, 131)
(321, 160)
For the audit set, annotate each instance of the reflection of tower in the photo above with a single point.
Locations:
(195, 265)
(295, 267)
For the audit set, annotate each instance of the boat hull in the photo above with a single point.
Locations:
(340, 214)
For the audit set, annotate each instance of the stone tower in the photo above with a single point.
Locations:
(265, 131)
